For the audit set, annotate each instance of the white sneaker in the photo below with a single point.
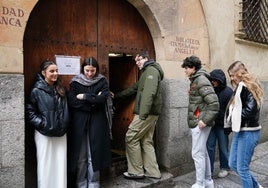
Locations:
(209, 183)
(196, 185)
(260, 186)
(223, 173)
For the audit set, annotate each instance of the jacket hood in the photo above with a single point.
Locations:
(42, 84)
(219, 75)
(200, 72)
(155, 65)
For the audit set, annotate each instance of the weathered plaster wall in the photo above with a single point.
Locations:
(179, 29)
(226, 47)
(13, 20)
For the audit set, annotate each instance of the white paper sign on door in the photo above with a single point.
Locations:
(68, 65)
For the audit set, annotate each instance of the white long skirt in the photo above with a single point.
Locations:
(51, 161)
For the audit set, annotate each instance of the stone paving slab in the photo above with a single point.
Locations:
(232, 180)
(259, 168)
(121, 182)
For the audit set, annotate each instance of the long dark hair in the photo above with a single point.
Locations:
(58, 84)
(90, 61)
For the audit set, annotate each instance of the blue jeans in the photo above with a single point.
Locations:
(217, 135)
(242, 149)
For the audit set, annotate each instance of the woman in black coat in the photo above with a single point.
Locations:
(88, 136)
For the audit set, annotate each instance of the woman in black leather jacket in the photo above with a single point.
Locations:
(47, 113)
(242, 115)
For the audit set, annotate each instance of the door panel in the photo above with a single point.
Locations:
(62, 27)
(86, 28)
(123, 73)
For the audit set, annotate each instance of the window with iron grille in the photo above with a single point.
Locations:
(255, 20)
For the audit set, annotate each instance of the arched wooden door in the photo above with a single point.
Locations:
(86, 28)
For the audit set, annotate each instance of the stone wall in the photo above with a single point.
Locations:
(11, 131)
(173, 138)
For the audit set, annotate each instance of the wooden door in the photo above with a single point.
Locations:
(86, 28)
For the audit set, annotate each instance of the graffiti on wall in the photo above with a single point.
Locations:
(10, 16)
(183, 45)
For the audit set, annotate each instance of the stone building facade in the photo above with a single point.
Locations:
(208, 29)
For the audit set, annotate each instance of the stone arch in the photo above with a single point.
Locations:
(152, 24)
(29, 172)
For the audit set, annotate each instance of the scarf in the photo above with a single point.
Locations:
(235, 110)
(82, 79)
(109, 108)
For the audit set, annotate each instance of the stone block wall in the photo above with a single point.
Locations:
(173, 138)
(11, 131)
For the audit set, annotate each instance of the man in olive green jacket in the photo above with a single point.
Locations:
(140, 151)
(202, 111)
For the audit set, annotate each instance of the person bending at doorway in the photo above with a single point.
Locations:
(140, 153)
(89, 133)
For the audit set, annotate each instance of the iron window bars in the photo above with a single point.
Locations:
(255, 20)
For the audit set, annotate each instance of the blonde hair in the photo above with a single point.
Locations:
(240, 71)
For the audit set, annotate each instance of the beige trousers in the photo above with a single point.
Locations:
(140, 151)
